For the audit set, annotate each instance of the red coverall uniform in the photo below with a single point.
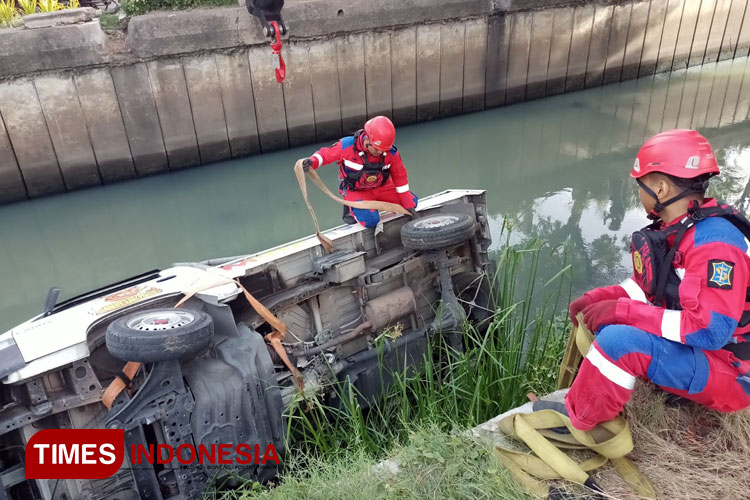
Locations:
(678, 350)
(348, 152)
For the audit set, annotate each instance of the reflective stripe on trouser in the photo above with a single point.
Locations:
(370, 218)
(621, 353)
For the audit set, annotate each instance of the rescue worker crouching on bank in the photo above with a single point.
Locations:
(370, 169)
(682, 326)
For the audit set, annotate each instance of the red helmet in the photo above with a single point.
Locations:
(381, 132)
(682, 153)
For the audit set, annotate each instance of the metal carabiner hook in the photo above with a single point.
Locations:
(276, 47)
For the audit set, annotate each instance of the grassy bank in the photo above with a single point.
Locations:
(420, 417)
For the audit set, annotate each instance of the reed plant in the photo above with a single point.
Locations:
(50, 5)
(27, 6)
(8, 12)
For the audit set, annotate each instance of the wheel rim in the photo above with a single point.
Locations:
(435, 221)
(160, 320)
(474, 302)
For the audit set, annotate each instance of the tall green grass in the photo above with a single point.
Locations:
(519, 352)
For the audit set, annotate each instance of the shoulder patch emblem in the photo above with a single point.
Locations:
(720, 274)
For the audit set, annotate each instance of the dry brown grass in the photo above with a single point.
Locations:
(687, 451)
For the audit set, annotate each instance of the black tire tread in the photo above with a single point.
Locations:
(147, 347)
(420, 238)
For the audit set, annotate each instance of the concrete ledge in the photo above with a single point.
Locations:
(503, 6)
(55, 43)
(61, 17)
(172, 33)
(29, 50)
(323, 17)
(169, 33)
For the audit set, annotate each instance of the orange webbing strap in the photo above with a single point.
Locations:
(366, 205)
(276, 336)
(118, 384)
(579, 342)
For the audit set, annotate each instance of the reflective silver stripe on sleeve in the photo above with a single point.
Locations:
(402, 189)
(670, 325)
(320, 159)
(633, 290)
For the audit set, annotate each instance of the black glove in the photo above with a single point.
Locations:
(412, 211)
(306, 165)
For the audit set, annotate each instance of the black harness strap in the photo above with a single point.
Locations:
(696, 187)
(368, 168)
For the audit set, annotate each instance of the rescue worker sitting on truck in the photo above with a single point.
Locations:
(682, 320)
(370, 169)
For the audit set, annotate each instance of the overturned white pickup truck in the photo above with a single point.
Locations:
(208, 374)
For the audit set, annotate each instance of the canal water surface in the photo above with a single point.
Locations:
(557, 168)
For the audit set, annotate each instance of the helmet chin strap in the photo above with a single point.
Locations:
(696, 187)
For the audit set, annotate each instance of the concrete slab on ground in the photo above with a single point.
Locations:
(24, 51)
(60, 17)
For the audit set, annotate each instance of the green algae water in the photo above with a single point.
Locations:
(555, 168)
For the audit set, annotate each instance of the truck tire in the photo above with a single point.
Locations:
(434, 232)
(159, 335)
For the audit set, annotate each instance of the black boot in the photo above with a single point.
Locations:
(348, 217)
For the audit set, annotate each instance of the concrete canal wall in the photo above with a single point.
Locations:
(80, 108)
